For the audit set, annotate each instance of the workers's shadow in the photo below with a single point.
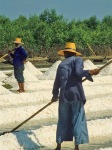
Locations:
(27, 140)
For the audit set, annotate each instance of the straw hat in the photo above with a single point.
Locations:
(70, 47)
(18, 40)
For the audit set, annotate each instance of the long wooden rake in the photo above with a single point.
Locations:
(26, 119)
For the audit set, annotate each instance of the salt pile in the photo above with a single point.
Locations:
(29, 77)
(107, 70)
(31, 74)
(51, 72)
(38, 94)
(102, 80)
(31, 68)
(89, 65)
(4, 90)
(2, 76)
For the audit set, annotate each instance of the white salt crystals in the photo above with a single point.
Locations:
(31, 68)
(3, 90)
(110, 148)
(107, 70)
(89, 65)
(16, 107)
(51, 72)
(2, 76)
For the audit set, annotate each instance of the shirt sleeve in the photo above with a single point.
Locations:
(79, 69)
(24, 54)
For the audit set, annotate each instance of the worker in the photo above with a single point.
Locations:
(68, 87)
(19, 58)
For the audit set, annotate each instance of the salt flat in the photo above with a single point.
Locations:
(16, 107)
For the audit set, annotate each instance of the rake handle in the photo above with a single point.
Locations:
(27, 119)
(100, 68)
(6, 54)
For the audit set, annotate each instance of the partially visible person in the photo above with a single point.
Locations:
(19, 58)
(68, 87)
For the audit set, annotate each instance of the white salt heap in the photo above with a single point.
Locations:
(29, 77)
(89, 65)
(2, 76)
(3, 90)
(51, 72)
(15, 108)
(31, 68)
(107, 70)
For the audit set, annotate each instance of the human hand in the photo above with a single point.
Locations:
(54, 99)
(94, 71)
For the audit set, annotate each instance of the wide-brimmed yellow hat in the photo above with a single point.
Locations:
(18, 40)
(70, 47)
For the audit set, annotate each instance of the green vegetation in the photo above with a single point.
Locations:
(43, 35)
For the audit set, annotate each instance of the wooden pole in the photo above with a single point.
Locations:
(3, 56)
(108, 63)
(6, 54)
(91, 49)
(27, 119)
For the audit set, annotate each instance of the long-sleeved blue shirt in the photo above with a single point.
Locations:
(69, 80)
(19, 56)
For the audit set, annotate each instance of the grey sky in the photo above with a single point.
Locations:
(70, 9)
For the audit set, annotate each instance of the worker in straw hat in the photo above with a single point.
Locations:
(68, 87)
(19, 57)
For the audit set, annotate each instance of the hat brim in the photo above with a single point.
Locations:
(17, 42)
(61, 52)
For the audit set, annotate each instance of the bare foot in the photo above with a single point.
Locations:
(19, 90)
(22, 91)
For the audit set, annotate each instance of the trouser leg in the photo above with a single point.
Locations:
(80, 130)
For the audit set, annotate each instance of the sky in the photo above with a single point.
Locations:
(70, 9)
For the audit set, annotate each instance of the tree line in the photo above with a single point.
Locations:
(48, 32)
